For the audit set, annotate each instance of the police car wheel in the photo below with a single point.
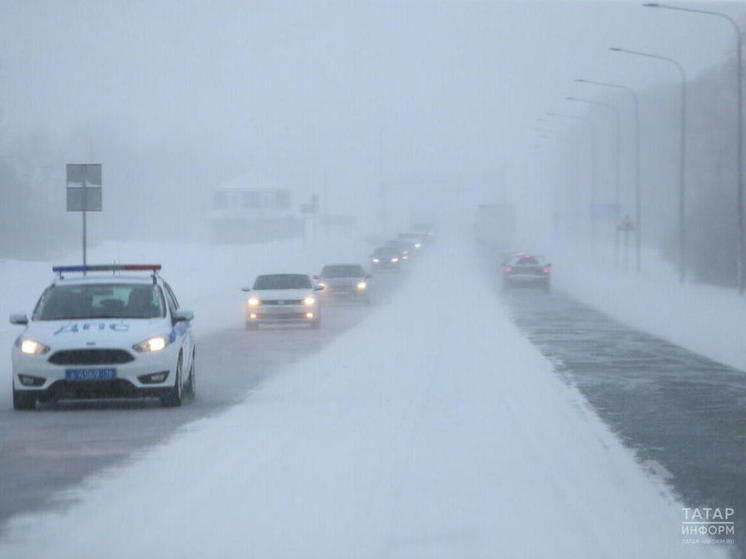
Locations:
(173, 397)
(23, 400)
(190, 390)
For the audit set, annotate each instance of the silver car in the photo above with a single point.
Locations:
(283, 298)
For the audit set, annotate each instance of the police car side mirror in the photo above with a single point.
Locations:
(245, 289)
(19, 318)
(183, 316)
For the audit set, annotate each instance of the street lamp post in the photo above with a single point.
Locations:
(741, 259)
(617, 163)
(682, 154)
(638, 197)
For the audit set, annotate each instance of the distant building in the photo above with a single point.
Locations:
(252, 209)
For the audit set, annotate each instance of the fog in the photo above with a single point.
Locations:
(482, 349)
(431, 102)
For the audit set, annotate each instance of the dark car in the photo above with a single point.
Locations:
(405, 248)
(427, 229)
(417, 240)
(530, 270)
(345, 280)
(386, 258)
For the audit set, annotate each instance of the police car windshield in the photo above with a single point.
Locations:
(343, 271)
(283, 281)
(68, 302)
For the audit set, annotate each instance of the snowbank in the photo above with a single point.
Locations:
(432, 429)
(707, 320)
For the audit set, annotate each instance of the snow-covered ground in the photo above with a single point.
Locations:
(705, 319)
(432, 429)
(206, 278)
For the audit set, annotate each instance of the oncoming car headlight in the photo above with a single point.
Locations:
(156, 343)
(32, 347)
(254, 301)
(309, 301)
(362, 285)
(395, 260)
(376, 260)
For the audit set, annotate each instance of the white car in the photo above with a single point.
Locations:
(282, 298)
(104, 336)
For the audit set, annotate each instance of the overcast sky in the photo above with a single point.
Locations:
(451, 88)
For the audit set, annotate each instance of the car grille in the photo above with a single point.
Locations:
(283, 316)
(282, 302)
(91, 357)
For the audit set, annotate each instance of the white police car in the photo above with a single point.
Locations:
(104, 336)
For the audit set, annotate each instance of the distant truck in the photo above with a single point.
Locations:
(494, 228)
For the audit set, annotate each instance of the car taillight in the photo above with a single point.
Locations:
(507, 269)
(546, 270)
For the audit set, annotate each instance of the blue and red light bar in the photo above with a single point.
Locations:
(108, 268)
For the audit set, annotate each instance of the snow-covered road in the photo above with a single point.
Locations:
(431, 429)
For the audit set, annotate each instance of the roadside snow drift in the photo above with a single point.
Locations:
(705, 319)
(433, 429)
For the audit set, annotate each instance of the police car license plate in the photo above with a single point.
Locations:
(90, 374)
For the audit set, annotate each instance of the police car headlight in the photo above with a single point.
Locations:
(361, 285)
(156, 343)
(32, 347)
(309, 301)
(254, 301)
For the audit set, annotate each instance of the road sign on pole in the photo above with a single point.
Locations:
(84, 185)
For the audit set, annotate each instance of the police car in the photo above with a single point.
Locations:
(104, 336)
